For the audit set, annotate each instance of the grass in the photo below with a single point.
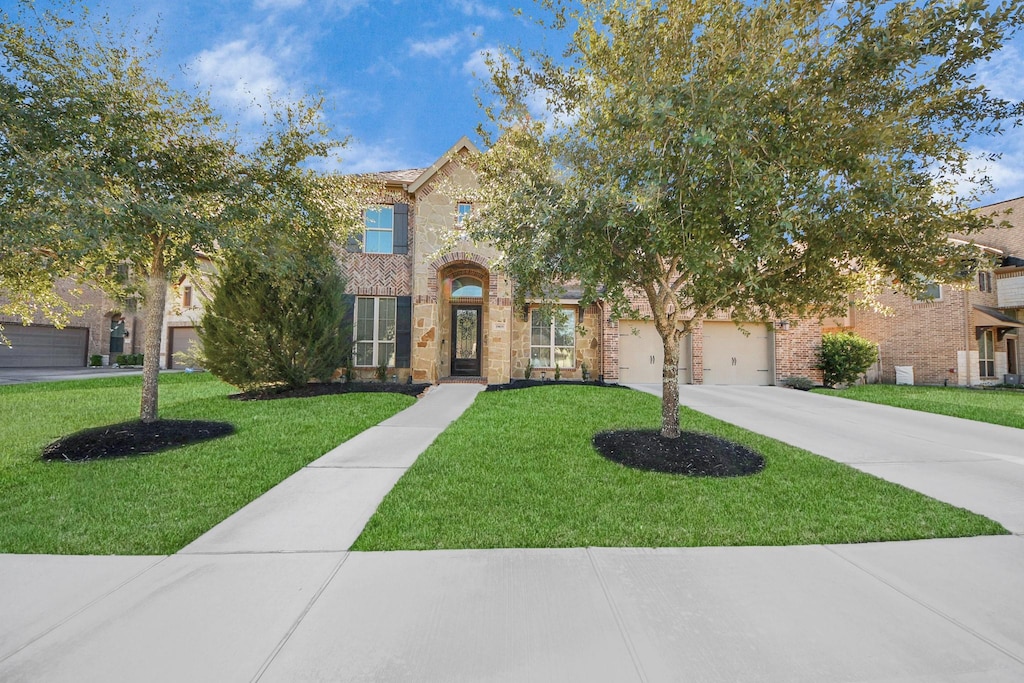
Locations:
(996, 406)
(518, 470)
(155, 504)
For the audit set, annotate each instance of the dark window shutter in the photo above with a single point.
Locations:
(354, 245)
(403, 332)
(401, 234)
(349, 325)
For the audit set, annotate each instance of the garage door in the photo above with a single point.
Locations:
(731, 357)
(181, 339)
(641, 354)
(42, 346)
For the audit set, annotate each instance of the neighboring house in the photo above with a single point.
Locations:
(433, 312)
(105, 328)
(183, 310)
(955, 335)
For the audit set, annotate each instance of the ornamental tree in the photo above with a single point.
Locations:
(766, 158)
(102, 164)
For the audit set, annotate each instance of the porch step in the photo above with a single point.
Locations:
(462, 380)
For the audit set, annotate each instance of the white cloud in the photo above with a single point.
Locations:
(361, 157)
(278, 4)
(241, 75)
(1006, 172)
(441, 47)
(476, 65)
(1002, 73)
(475, 8)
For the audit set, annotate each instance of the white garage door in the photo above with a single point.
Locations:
(641, 353)
(731, 357)
(181, 339)
(42, 346)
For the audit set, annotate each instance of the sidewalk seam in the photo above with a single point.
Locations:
(619, 623)
(298, 620)
(934, 610)
(42, 634)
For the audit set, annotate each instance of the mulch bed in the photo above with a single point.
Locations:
(527, 383)
(331, 388)
(133, 438)
(692, 454)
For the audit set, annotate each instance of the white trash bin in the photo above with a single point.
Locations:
(905, 374)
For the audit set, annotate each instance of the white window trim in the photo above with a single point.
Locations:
(986, 360)
(459, 217)
(376, 341)
(920, 298)
(551, 346)
(367, 230)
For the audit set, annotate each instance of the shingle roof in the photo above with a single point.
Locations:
(402, 176)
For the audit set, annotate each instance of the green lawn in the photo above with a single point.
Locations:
(155, 504)
(997, 406)
(518, 470)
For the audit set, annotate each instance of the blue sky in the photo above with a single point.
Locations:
(399, 75)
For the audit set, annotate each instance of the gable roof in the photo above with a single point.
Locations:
(464, 143)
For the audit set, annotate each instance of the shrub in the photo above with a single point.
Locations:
(801, 383)
(558, 373)
(95, 360)
(276, 322)
(843, 357)
(528, 370)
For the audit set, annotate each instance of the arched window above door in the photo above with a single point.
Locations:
(467, 287)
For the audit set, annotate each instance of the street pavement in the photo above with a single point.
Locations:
(273, 594)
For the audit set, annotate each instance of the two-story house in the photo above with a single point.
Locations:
(957, 335)
(435, 313)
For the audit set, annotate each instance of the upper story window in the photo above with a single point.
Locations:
(463, 212)
(186, 297)
(930, 291)
(379, 237)
(984, 281)
(465, 287)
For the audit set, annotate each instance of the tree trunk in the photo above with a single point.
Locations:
(670, 384)
(156, 296)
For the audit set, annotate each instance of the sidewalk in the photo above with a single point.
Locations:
(271, 594)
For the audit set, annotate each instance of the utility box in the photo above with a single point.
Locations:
(1011, 380)
(904, 374)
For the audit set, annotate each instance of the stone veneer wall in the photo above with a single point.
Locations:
(588, 346)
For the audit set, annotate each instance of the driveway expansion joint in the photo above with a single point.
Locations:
(619, 622)
(934, 610)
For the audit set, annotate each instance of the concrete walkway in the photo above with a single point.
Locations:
(272, 595)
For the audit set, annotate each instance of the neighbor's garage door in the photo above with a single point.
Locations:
(641, 354)
(41, 346)
(731, 357)
(181, 338)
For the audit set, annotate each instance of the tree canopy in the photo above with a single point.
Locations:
(103, 163)
(766, 158)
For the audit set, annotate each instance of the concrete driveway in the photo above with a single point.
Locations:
(969, 464)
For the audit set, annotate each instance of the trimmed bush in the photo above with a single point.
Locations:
(844, 356)
(272, 324)
(801, 383)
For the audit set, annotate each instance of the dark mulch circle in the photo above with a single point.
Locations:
(331, 388)
(693, 454)
(527, 383)
(133, 438)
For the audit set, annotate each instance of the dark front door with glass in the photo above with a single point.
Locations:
(466, 341)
